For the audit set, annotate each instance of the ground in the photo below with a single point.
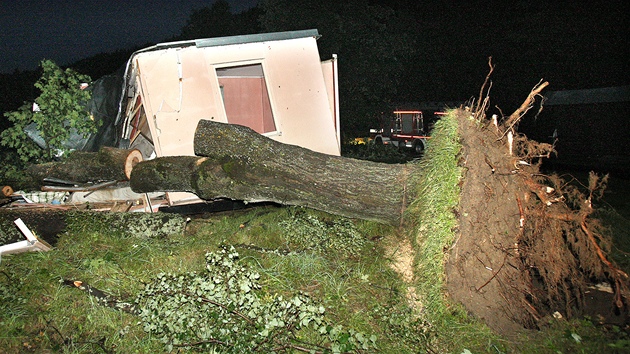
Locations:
(47, 225)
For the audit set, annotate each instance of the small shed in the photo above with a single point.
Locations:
(274, 83)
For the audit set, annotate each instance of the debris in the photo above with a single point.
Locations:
(32, 243)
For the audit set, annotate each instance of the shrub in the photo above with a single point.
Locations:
(58, 113)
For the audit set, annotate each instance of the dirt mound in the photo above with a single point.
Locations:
(528, 246)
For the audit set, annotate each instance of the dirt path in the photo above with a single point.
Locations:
(402, 254)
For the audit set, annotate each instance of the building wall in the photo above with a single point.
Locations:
(180, 86)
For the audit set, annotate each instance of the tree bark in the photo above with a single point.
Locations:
(241, 164)
(81, 167)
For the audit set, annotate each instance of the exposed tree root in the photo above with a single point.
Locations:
(540, 244)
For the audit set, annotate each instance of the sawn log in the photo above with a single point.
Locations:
(108, 164)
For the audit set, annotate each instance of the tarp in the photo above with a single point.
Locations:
(103, 106)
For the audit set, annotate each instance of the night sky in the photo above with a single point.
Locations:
(572, 45)
(539, 38)
(67, 30)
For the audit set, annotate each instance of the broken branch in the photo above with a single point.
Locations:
(526, 105)
(480, 106)
(108, 164)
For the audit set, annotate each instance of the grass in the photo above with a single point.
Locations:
(434, 222)
(40, 313)
(354, 281)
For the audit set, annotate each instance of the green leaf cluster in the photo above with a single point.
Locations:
(224, 309)
(402, 322)
(61, 112)
(309, 232)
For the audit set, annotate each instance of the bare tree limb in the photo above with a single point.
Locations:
(480, 106)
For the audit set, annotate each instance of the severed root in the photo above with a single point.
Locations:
(619, 277)
(544, 193)
(580, 224)
(526, 105)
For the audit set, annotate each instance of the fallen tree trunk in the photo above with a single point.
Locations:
(108, 164)
(241, 164)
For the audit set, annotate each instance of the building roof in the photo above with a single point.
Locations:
(254, 38)
(230, 40)
(598, 95)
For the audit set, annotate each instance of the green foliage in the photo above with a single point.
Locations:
(12, 172)
(577, 336)
(223, 308)
(138, 225)
(61, 113)
(306, 231)
(413, 332)
(11, 302)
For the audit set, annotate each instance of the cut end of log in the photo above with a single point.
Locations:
(134, 157)
(7, 191)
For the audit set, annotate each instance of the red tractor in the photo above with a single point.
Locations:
(406, 131)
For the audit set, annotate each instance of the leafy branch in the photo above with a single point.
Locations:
(220, 308)
(41, 130)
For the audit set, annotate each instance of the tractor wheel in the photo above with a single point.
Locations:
(418, 147)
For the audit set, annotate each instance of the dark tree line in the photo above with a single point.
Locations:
(411, 51)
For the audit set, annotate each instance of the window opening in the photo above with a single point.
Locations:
(245, 97)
